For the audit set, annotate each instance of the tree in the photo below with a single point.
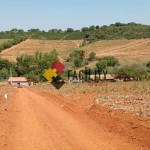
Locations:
(134, 71)
(31, 77)
(4, 63)
(83, 43)
(97, 27)
(148, 64)
(59, 31)
(87, 35)
(69, 30)
(111, 61)
(53, 31)
(90, 37)
(54, 52)
(35, 66)
(77, 31)
(34, 30)
(101, 65)
(20, 30)
(85, 29)
(92, 28)
(24, 64)
(1, 48)
(14, 30)
(77, 62)
(92, 56)
(5, 67)
(4, 73)
(78, 53)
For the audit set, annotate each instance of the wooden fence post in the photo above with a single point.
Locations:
(6, 101)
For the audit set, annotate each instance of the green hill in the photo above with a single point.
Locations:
(93, 33)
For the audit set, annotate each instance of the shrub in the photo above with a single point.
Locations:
(77, 62)
(92, 56)
(111, 61)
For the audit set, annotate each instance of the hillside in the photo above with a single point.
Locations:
(3, 40)
(31, 46)
(93, 33)
(127, 51)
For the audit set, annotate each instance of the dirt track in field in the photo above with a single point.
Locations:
(37, 121)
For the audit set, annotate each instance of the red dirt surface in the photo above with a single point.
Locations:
(38, 120)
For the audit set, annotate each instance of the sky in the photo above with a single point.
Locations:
(75, 14)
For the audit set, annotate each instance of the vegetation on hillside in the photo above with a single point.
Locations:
(12, 42)
(33, 66)
(118, 31)
(48, 36)
(30, 66)
(108, 64)
(14, 33)
(5, 66)
(90, 34)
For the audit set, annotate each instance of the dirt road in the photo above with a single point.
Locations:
(38, 122)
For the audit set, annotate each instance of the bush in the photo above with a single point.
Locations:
(77, 62)
(78, 53)
(10, 43)
(136, 73)
(101, 65)
(111, 61)
(1, 48)
(148, 64)
(92, 56)
(84, 63)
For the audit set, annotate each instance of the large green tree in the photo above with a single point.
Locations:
(35, 65)
(4, 73)
(101, 65)
(7, 68)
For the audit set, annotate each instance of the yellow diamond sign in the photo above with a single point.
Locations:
(49, 74)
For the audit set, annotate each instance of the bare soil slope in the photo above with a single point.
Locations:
(37, 121)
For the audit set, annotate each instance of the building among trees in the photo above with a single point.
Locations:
(18, 81)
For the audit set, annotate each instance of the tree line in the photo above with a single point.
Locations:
(12, 42)
(108, 65)
(89, 34)
(30, 66)
(33, 66)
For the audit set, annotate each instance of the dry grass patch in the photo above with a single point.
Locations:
(31, 46)
(127, 51)
(3, 40)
